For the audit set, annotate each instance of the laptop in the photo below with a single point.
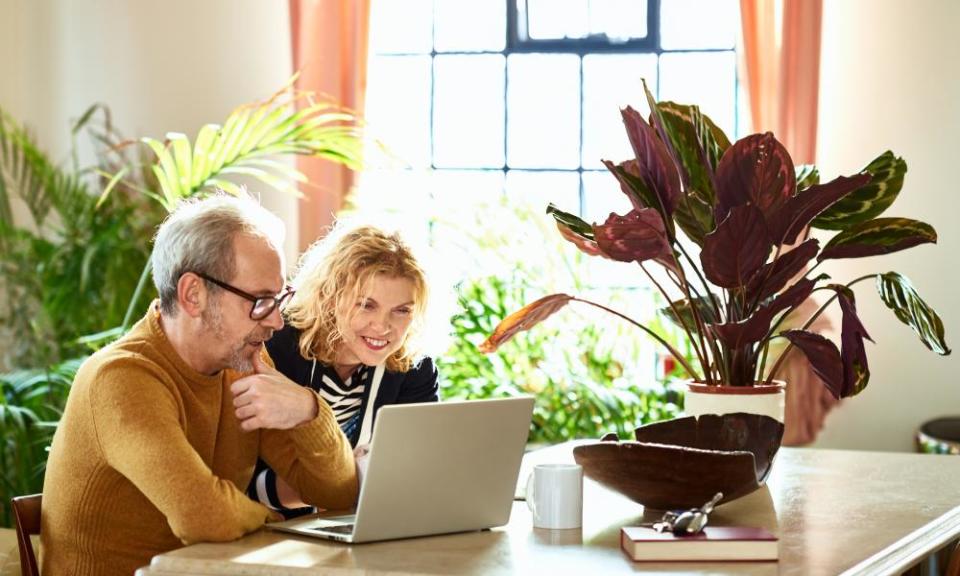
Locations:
(433, 468)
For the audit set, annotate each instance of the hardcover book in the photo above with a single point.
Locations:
(714, 543)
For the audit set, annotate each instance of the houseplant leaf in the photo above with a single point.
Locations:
(898, 294)
(756, 326)
(654, 163)
(880, 236)
(739, 246)
(635, 237)
(773, 276)
(757, 170)
(681, 313)
(792, 218)
(807, 175)
(524, 319)
(856, 372)
(872, 199)
(628, 174)
(576, 231)
(823, 356)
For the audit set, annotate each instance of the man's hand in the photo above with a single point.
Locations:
(268, 399)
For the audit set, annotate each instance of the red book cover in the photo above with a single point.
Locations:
(715, 543)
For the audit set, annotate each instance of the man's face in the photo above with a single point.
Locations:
(233, 337)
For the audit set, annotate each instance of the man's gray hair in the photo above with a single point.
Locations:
(198, 237)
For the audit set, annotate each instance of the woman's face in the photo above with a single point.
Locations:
(378, 322)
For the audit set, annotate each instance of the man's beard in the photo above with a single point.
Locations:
(213, 321)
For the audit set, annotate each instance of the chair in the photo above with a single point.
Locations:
(26, 512)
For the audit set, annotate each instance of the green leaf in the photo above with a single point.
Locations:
(706, 308)
(807, 175)
(870, 201)
(900, 296)
(880, 236)
(201, 154)
(572, 222)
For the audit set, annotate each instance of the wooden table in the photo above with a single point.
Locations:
(836, 512)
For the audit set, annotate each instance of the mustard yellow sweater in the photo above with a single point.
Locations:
(149, 456)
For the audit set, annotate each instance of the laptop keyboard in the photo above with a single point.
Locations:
(341, 529)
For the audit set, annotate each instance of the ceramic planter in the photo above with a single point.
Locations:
(765, 399)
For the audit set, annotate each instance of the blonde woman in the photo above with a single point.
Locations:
(352, 334)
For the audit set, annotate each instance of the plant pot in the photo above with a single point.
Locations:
(765, 399)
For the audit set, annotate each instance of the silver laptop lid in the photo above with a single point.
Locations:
(442, 467)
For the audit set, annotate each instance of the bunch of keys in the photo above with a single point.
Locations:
(684, 522)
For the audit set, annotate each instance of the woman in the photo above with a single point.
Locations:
(352, 334)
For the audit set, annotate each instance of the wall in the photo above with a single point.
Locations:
(890, 81)
(161, 67)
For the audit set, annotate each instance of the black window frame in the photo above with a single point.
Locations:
(517, 42)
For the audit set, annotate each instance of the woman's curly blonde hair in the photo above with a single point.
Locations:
(335, 273)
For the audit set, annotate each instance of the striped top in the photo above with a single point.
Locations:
(344, 397)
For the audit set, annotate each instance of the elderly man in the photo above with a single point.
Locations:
(163, 428)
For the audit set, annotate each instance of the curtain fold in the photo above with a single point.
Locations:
(780, 68)
(329, 46)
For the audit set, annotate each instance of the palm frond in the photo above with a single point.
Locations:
(289, 122)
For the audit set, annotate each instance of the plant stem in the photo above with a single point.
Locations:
(776, 367)
(703, 280)
(700, 352)
(673, 351)
(137, 293)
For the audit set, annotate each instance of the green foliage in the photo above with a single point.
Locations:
(70, 267)
(587, 380)
(31, 403)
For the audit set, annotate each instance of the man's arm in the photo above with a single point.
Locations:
(136, 418)
(299, 438)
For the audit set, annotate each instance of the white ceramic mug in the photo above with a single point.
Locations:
(555, 495)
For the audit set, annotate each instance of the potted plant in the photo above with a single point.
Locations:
(747, 209)
(726, 226)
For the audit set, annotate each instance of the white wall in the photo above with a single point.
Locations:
(890, 80)
(161, 67)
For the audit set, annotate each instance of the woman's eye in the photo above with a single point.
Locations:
(404, 311)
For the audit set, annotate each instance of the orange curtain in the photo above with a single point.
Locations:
(330, 39)
(780, 67)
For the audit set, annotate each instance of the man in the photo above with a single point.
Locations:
(163, 428)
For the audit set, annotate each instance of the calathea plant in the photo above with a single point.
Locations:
(748, 209)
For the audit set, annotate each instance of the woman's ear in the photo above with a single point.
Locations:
(191, 294)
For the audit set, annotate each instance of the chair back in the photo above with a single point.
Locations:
(26, 512)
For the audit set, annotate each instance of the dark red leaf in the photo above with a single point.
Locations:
(773, 276)
(756, 326)
(756, 170)
(628, 174)
(637, 236)
(823, 356)
(799, 210)
(654, 163)
(739, 246)
(856, 372)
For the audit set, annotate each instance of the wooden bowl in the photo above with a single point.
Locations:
(682, 463)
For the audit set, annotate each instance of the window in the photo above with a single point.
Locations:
(477, 99)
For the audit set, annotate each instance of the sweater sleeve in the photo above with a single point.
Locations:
(315, 459)
(136, 419)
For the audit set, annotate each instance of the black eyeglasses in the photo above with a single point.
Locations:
(263, 306)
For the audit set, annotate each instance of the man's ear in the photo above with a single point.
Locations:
(192, 294)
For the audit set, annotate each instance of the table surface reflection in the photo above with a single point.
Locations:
(836, 512)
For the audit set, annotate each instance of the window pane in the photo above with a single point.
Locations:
(401, 27)
(618, 20)
(705, 79)
(543, 95)
(538, 189)
(468, 109)
(715, 26)
(458, 197)
(611, 82)
(470, 25)
(398, 106)
(393, 196)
